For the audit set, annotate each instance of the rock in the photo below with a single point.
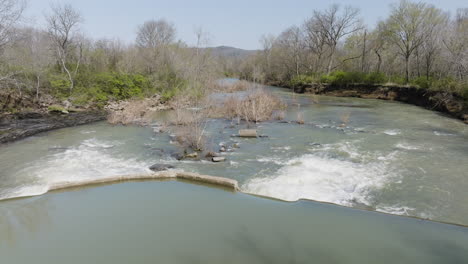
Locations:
(222, 149)
(230, 150)
(212, 154)
(161, 167)
(248, 133)
(57, 109)
(67, 104)
(192, 155)
(218, 159)
(30, 124)
(236, 145)
(178, 156)
(30, 115)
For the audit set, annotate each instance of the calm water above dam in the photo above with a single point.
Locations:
(390, 157)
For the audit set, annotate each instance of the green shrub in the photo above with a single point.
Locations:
(422, 82)
(301, 80)
(375, 78)
(397, 79)
(57, 109)
(343, 78)
(60, 85)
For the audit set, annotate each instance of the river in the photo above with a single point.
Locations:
(388, 157)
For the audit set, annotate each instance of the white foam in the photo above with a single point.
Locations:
(407, 146)
(438, 133)
(392, 132)
(90, 160)
(396, 210)
(323, 179)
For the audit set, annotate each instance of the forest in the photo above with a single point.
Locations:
(417, 45)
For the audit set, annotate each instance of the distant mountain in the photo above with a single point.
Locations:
(225, 51)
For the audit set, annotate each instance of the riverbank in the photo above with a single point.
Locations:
(18, 126)
(450, 104)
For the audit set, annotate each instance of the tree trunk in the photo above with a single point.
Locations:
(379, 62)
(330, 62)
(363, 59)
(407, 69)
(38, 84)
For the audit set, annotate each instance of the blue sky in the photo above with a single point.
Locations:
(238, 23)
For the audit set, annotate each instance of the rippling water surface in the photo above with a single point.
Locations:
(389, 157)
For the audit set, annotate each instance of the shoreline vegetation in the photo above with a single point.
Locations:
(416, 50)
(55, 70)
(453, 104)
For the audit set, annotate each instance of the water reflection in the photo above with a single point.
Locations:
(23, 217)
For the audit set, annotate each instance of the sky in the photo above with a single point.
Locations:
(237, 23)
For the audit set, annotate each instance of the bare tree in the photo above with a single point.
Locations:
(406, 27)
(62, 24)
(32, 53)
(315, 41)
(10, 13)
(335, 25)
(292, 40)
(435, 23)
(456, 42)
(155, 33)
(152, 39)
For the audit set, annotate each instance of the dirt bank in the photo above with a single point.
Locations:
(18, 126)
(448, 103)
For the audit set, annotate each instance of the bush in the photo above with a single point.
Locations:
(422, 82)
(343, 78)
(301, 80)
(60, 85)
(375, 78)
(121, 86)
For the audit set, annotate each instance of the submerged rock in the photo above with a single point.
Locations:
(161, 167)
(178, 156)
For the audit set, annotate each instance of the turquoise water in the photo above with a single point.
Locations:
(174, 222)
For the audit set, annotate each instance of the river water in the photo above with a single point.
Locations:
(368, 154)
(174, 222)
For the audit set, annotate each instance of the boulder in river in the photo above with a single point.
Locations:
(212, 154)
(218, 159)
(161, 167)
(192, 155)
(248, 133)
